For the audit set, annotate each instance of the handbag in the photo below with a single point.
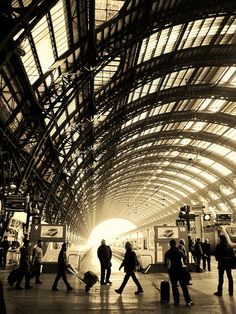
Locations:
(185, 275)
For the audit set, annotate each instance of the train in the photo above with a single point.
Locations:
(150, 249)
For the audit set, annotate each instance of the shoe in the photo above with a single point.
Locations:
(138, 292)
(189, 303)
(102, 283)
(18, 288)
(109, 283)
(231, 294)
(118, 291)
(38, 282)
(28, 287)
(70, 288)
(55, 289)
(176, 303)
(219, 294)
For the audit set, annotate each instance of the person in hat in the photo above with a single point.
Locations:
(104, 255)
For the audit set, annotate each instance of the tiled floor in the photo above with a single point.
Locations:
(103, 299)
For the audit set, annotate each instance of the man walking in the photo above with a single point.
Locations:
(62, 267)
(104, 254)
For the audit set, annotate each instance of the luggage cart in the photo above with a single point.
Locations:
(89, 278)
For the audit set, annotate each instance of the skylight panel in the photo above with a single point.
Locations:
(62, 118)
(226, 190)
(228, 75)
(213, 195)
(232, 156)
(53, 131)
(206, 161)
(58, 21)
(224, 207)
(29, 62)
(228, 30)
(233, 200)
(204, 105)
(219, 149)
(43, 44)
(198, 183)
(223, 170)
(72, 106)
(231, 134)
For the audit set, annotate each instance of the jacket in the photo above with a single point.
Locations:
(104, 254)
(174, 257)
(130, 261)
(62, 260)
(224, 254)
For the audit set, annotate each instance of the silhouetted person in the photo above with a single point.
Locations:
(173, 258)
(1, 252)
(191, 247)
(62, 267)
(37, 260)
(24, 265)
(2, 300)
(129, 263)
(182, 248)
(104, 254)
(5, 248)
(224, 255)
(198, 254)
(206, 257)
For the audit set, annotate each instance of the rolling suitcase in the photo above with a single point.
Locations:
(165, 291)
(90, 278)
(13, 276)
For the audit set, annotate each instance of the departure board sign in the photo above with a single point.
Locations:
(223, 217)
(15, 203)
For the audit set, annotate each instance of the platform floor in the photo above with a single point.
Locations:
(103, 299)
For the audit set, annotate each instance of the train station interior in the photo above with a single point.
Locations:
(117, 122)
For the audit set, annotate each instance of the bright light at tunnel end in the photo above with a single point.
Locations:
(108, 230)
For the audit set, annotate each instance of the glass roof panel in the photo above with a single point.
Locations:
(43, 44)
(29, 62)
(106, 9)
(58, 21)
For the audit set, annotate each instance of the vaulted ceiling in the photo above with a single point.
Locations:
(118, 109)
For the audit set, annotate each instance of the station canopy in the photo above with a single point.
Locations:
(118, 109)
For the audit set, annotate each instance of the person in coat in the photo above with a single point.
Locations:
(24, 266)
(225, 257)
(5, 248)
(198, 255)
(182, 248)
(174, 263)
(62, 267)
(104, 254)
(37, 260)
(2, 300)
(129, 263)
(206, 257)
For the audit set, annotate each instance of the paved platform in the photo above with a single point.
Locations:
(103, 299)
